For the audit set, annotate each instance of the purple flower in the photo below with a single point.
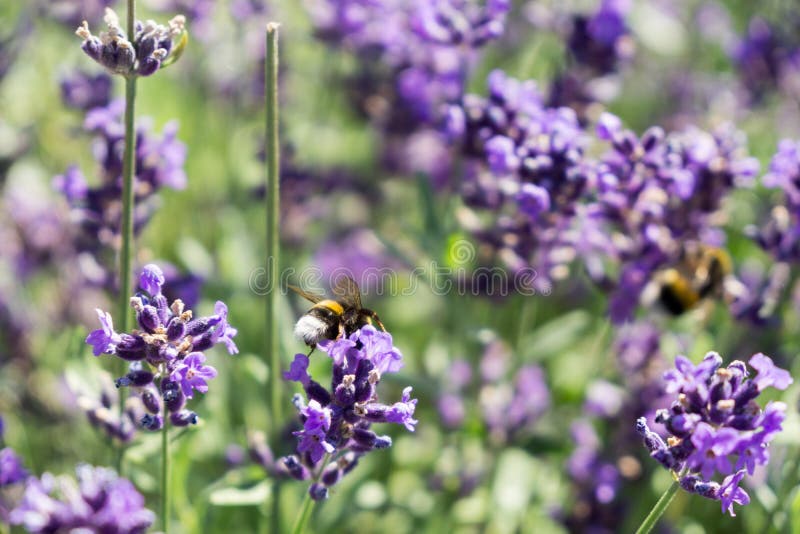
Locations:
(533, 200)
(168, 364)
(103, 340)
(338, 422)
(608, 126)
(722, 426)
(312, 437)
(769, 374)
(191, 374)
(771, 419)
(338, 349)
(402, 412)
(99, 501)
(526, 177)
(712, 447)
(223, 332)
(658, 200)
(298, 370)
(102, 410)
(417, 56)
(730, 492)
(11, 468)
(451, 410)
(690, 378)
(72, 184)
(500, 155)
(95, 210)
(151, 279)
(376, 346)
(84, 91)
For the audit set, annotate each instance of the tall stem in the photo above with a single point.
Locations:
(273, 218)
(272, 206)
(657, 511)
(126, 245)
(165, 472)
(302, 517)
(308, 503)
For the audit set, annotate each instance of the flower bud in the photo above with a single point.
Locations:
(318, 492)
(183, 418)
(131, 348)
(148, 319)
(172, 394)
(151, 400)
(152, 422)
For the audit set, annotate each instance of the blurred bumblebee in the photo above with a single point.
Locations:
(336, 317)
(702, 272)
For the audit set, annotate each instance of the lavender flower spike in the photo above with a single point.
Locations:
(166, 351)
(716, 424)
(98, 501)
(153, 45)
(337, 423)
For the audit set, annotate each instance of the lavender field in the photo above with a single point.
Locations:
(394, 266)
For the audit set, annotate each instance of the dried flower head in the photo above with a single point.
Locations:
(153, 46)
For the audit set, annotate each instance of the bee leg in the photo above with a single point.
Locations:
(310, 352)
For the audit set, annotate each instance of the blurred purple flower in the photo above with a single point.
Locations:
(73, 12)
(361, 255)
(83, 91)
(414, 56)
(99, 501)
(11, 469)
(659, 199)
(525, 177)
(96, 210)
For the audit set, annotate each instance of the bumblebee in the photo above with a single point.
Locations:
(334, 318)
(701, 272)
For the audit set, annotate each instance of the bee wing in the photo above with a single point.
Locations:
(348, 292)
(313, 297)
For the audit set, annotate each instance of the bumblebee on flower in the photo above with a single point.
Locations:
(337, 422)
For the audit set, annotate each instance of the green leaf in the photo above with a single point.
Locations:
(232, 496)
(556, 336)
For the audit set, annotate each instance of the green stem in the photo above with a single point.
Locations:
(273, 177)
(126, 245)
(165, 472)
(276, 504)
(308, 502)
(273, 218)
(305, 513)
(657, 511)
